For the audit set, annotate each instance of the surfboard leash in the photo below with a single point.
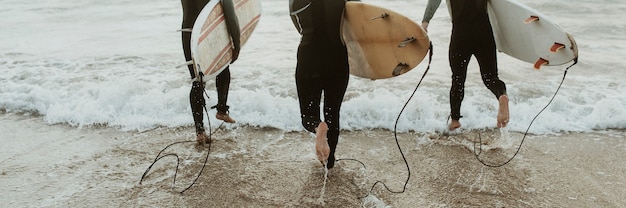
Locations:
(206, 159)
(211, 132)
(395, 132)
(477, 155)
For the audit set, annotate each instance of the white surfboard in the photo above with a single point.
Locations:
(211, 46)
(528, 35)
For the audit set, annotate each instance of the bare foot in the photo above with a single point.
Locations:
(202, 138)
(224, 117)
(454, 124)
(322, 149)
(503, 111)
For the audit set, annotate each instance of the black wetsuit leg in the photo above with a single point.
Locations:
(471, 35)
(322, 71)
(461, 50)
(309, 88)
(486, 56)
(222, 83)
(459, 56)
(335, 84)
(191, 10)
(322, 68)
(197, 102)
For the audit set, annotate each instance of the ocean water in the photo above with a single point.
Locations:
(114, 63)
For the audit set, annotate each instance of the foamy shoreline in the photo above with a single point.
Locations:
(57, 166)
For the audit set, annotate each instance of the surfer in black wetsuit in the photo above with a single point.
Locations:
(322, 68)
(471, 35)
(191, 10)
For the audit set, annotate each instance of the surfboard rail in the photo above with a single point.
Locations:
(211, 45)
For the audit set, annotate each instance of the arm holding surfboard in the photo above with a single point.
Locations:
(232, 24)
(431, 8)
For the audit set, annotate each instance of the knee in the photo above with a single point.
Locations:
(195, 95)
(309, 124)
(489, 78)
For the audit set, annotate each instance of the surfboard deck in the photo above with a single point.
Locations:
(211, 45)
(530, 36)
(381, 43)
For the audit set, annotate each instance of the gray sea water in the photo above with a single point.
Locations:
(115, 62)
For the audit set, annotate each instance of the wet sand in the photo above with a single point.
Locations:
(44, 165)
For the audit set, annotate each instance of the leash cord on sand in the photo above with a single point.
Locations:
(363, 164)
(525, 133)
(395, 132)
(206, 159)
(159, 157)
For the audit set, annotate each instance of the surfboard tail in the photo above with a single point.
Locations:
(574, 46)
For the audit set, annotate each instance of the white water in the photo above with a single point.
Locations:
(114, 62)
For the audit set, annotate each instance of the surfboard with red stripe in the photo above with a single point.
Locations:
(211, 45)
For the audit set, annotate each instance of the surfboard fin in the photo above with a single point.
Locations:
(531, 19)
(406, 41)
(540, 63)
(382, 16)
(556, 47)
(400, 69)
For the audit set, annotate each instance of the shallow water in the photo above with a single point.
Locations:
(114, 63)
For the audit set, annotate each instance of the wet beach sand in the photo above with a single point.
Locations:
(43, 165)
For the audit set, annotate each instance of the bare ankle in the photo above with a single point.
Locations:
(454, 124)
(503, 111)
(202, 138)
(224, 117)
